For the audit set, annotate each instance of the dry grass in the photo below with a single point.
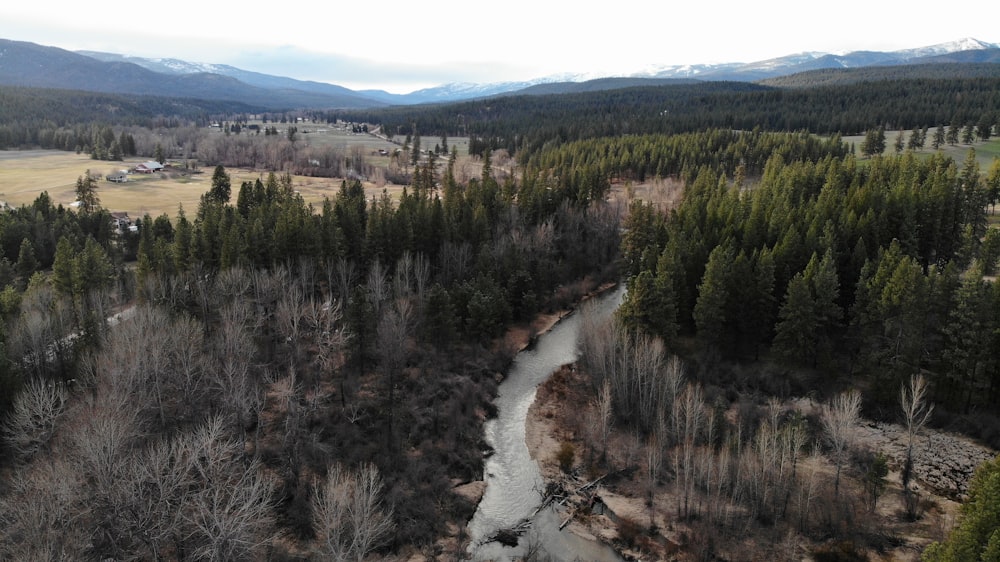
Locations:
(25, 175)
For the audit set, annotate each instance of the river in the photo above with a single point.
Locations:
(513, 481)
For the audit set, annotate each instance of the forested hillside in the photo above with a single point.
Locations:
(524, 124)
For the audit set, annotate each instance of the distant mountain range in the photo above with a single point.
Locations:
(965, 50)
(33, 65)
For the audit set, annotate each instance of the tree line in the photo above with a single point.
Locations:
(48, 118)
(524, 124)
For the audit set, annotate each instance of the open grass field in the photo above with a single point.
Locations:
(26, 174)
(985, 151)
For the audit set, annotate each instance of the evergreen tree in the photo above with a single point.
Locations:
(984, 127)
(27, 263)
(761, 309)
(951, 137)
(825, 286)
(938, 137)
(993, 184)
(439, 317)
(415, 149)
(976, 537)
(649, 306)
(915, 142)
(86, 193)
(795, 332)
(221, 186)
(62, 267)
(967, 350)
(968, 133)
(874, 142)
(92, 269)
(181, 251)
(713, 295)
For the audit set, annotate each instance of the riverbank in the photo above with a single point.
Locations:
(551, 429)
(517, 338)
(640, 519)
(509, 523)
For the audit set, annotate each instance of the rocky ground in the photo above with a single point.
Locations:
(943, 462)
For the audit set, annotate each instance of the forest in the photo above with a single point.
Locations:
(524, 124)
(264, 379)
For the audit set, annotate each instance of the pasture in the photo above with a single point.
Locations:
(985, 151)
(26, 174)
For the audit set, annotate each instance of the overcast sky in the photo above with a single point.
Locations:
(405, 45)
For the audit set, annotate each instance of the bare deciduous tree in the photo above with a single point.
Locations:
(604, 416)
(916, 412)
(689, 410)
(232, 512)
(402, 281)
(421, 275)
(838, 419)
(32, 419)
(289, 314)
(30, 341)
(345, 278)
(238, 390)
(378, 286)
(394, 327)
(41, 512)
(348, 514)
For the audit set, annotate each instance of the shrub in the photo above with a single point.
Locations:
(841, 551)
(629, 531)
(566, 455)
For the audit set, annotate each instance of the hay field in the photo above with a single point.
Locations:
(26, 174)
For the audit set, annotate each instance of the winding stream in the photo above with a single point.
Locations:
(513, 482)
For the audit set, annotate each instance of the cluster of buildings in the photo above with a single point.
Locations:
(121, 176)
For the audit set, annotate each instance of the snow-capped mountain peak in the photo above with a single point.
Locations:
(966, 44)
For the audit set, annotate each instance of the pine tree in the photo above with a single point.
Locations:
(977, 534)
(951, 137)
(825, 286)
(968, 133)
(26, 264)
(86, 193)
(938, 140)
(795, 332)
(62, 267)
(92, 269)
(710, 308)
(183, 238)
(915, 141)
(221, 186)
(649, 306)
(874, 143)
(967, 348)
